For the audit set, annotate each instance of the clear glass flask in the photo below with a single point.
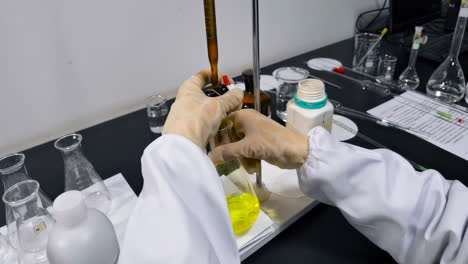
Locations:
(6, 251)
(13, 171)
(447, 83)
(80, 174)
(33, 222)
(243, 204)
(409, 79)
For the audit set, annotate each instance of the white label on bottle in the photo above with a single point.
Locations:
(415, 45)
(463, 12)
(369, 64)
(39, 228)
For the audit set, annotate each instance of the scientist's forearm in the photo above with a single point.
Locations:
(416, 217)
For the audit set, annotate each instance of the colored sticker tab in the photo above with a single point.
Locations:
(39, 228)
(449, 116)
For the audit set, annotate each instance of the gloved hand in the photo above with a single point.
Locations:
(196, 116)
(262, 138)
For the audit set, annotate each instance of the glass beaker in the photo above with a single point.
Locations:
(33, 222)
(362, 43)
(157, 110)
(386, 69)
(241, 198)
(288, 77)
(12, 171)
(447, 83)
(80, 174)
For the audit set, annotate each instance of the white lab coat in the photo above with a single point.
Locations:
(181, 215)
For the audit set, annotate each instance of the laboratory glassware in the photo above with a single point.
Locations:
(242, 200)
(211, 39)
(6, 251)
(81, 235)
(386, 68)
(372, 47)
(33, 222)
(288, 77)
(249, 98)
(447, 83)
(12, 171)
(80, 174)
(409, 79)
(362, 44)
(157, 110)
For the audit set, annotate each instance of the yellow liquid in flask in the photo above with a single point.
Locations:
(243, 209)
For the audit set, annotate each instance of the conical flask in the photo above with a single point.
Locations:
(33, 222)
(80, 174)
(409, 79)
(13, 171)
(447, 83)
(242, 200)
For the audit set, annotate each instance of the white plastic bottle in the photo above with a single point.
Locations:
(81, 235)
(309, 107)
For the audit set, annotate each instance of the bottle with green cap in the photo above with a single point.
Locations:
(309, 108)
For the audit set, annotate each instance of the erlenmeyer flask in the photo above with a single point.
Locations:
(409, 79)
(447, 83)
(33, 222)
(6, 251)
(13, 171)
(80, 174)
(243, 204)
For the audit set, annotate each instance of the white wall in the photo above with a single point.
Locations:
(69, 64)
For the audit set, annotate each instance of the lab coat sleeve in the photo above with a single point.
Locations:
(181, 214)
(418, 217)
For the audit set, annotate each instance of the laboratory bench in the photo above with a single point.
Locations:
(320, 236)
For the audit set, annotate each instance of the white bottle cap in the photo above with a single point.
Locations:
(70, 208)
(311, 90)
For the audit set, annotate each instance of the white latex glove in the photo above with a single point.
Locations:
(262, 138)
(196, 116)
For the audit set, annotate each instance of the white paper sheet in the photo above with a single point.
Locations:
(419, 112)
(123, 202)
(280, 181)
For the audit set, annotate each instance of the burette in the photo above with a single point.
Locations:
(212, 39)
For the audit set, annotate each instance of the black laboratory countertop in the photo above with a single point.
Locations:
(322, 235)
